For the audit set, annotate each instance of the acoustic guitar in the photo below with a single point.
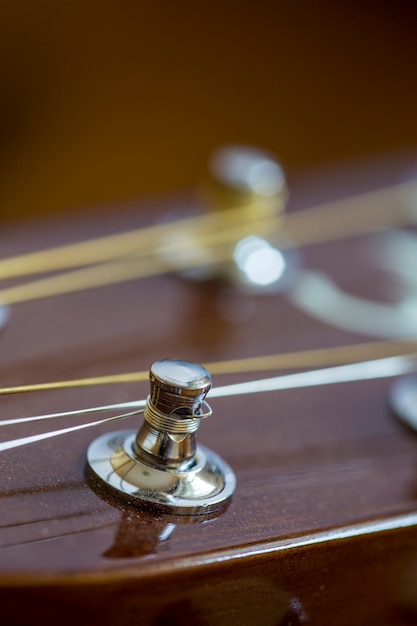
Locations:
(321, 527)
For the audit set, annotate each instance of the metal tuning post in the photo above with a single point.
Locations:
(161, 465)
(246, 192)
(245, 179)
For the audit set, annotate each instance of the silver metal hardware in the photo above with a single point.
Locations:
(403, 400)
(244, 177)
(246, 192)
(4, 315)
(161, 464)
(251, 184)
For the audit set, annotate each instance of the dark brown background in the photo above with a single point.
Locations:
(104, 101)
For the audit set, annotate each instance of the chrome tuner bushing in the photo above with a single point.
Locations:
(161, 465)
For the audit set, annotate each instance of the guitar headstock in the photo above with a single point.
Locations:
(322, 472)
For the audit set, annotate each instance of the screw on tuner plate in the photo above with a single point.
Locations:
(161, 465)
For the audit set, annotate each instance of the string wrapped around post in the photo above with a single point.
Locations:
(161, 465)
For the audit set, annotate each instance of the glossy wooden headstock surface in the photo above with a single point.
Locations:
(307, 461)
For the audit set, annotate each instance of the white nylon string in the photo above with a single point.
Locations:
(367, 370)
(15, 443)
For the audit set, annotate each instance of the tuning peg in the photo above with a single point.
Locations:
(247, 180)
(161, 465)
(245, 192)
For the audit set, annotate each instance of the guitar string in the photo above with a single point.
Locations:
(366, 370)
(265, 365)
(136, 404)
(112, 273)
(23, 441)
(118, 245)
(300, 225)
(289, 360)
(90, 251)
(301, 228)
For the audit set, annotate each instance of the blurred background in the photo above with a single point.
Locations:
(104, 100)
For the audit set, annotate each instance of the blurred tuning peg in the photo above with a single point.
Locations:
(245, 192)
(245, 179)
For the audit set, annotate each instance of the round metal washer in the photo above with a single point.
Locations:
(204, 488)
